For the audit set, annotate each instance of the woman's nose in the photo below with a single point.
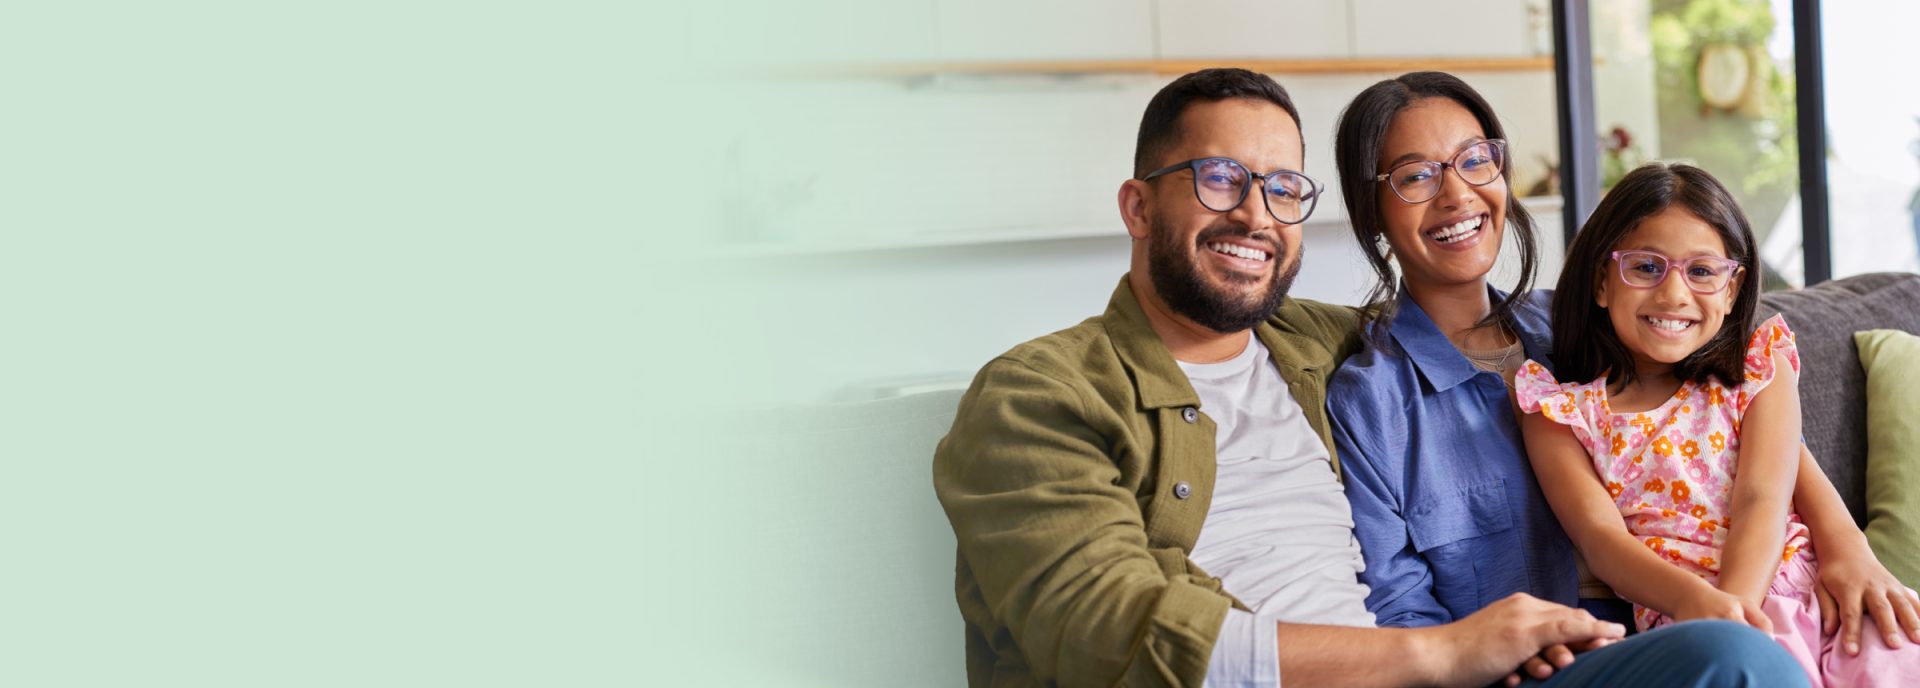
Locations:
(1454, 191)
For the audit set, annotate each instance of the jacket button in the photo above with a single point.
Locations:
(1190, 414)
(1181, 490)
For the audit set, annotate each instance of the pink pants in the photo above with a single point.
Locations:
(1796, 619)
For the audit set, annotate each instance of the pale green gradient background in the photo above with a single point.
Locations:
(387, 344)
(325, 344)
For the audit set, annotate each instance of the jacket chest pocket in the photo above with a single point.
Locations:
(1460, 535)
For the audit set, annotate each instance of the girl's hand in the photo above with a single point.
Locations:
(1850, 582)
(1719, 604)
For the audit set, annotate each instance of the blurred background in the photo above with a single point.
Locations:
(949, 169)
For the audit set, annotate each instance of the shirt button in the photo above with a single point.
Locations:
(1181, 490)
(1190, 414)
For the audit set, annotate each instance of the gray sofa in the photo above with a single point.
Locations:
(1833, 403)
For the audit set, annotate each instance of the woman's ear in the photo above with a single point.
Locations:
(1133, 208)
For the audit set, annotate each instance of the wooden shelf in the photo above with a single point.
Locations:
(1171, 67)
(1327, 219)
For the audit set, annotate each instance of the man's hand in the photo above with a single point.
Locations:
(1849, 584)
(1494, 641)
(1714, 603)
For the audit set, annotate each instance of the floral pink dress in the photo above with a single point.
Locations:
(1670, 470)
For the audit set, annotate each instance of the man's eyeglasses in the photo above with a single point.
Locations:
(1478, 164)
(1221, 185)
(1704, 274)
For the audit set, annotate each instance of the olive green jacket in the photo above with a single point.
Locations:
(1076, 477)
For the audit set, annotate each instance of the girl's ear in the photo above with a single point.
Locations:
(1733, 285)
(1600, 290)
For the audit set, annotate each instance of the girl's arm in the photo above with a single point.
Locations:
(1852, 579)
(1763, 485)
(1589, 516)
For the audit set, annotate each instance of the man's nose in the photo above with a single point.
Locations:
(1252, 212)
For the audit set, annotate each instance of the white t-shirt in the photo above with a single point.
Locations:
(1279, 532)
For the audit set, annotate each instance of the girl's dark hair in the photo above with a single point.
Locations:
(1356, 150)
(1584, 343)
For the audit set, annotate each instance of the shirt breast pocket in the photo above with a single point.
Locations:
(1465, 535)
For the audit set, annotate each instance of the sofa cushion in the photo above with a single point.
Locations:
(1833, 386)
(1892, 361)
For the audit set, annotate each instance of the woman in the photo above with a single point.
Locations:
(1446, 507)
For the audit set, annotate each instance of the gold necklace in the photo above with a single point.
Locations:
(1506, 352)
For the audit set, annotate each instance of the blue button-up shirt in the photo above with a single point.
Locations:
(1446, 508)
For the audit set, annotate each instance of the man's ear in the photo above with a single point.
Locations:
(1134, 208)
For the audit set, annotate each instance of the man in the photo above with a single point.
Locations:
(1150, 497)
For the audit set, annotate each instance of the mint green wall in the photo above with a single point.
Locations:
(321, 357)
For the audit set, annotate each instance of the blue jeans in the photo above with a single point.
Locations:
(1701, 654)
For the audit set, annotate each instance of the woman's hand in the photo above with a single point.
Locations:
(1719, 604)
(1852, 581)
(1554, 658)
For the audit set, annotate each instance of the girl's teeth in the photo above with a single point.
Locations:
(1671, 325)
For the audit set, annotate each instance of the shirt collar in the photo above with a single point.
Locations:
(1440, 362)
(1159, 380)
(1156, 377)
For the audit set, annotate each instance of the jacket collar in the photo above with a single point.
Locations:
(1440, 362)
(1161, 383)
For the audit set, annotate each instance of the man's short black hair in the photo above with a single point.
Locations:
(1160, 126)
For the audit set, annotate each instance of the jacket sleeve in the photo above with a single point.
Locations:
(1398, 578)
(1057, 546)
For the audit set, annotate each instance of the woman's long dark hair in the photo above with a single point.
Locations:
(1356, 150)
(1584, 343)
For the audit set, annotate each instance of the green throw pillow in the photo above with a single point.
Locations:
(1892, 361)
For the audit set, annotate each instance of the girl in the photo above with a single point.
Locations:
(1671, 460)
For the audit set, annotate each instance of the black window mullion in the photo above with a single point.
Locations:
(1816, 239)
(1573, 86)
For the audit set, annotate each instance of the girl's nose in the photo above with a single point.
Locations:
(1673, 287)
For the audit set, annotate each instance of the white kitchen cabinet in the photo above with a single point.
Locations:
(1456, 28)
(1232, 29)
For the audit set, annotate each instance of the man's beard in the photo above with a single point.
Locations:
(1178, 280)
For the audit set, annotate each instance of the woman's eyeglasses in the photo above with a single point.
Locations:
(1417, 181)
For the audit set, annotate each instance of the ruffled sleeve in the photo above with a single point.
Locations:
(1773, 337)
(1538, 392)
